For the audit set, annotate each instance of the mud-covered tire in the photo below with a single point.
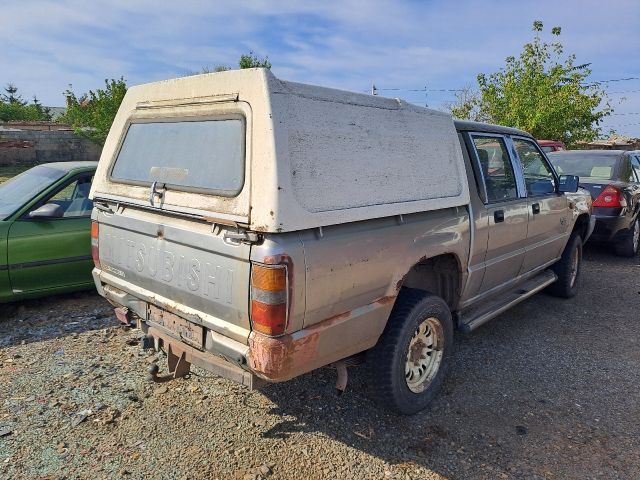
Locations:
(628, 245)
(392, 387)
(568, 269)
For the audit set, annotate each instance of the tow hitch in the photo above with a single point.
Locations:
(125, 317)
(176, 361)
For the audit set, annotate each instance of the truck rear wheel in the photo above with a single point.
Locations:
(568, 269)
(407, 366)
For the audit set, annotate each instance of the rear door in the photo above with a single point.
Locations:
(547, 209)
(47, 253)
(506, 208)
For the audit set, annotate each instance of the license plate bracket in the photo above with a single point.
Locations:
(188, 332)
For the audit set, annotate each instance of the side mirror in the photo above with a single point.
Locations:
(568, 183)
(48, 210)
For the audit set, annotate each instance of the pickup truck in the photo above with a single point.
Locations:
(261, 229)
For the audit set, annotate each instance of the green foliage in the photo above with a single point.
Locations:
(539, 92)
(14, 108)
(217, 68)
(468, 106)
(92, 113)
(247, 60)
(250, 60)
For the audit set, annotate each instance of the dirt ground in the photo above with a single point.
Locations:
(550, 389)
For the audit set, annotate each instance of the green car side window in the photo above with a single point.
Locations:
(74, 198)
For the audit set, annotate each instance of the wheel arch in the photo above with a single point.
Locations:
(581, 225)
(440, 275)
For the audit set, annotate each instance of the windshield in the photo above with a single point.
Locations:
(206, 155)
(584, 164)
(19, 190)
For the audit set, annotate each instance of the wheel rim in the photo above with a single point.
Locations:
(636, 235)
(575, 265)
(424, 355)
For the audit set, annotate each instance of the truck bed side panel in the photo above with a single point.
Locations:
(356, 268)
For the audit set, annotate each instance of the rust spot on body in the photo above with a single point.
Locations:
(386, 300)
(277, 358)
(282, 358)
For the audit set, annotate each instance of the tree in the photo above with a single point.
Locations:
(12, 95)
(250, 60)
(542, 92)
(14, 108)
(92, 113)
(468, 106)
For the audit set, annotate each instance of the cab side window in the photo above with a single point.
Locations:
(496, 169)
(538, 175)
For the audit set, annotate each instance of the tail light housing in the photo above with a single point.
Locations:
(610, 197)
(269, 298)
(95, 252)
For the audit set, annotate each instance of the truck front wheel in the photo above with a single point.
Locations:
(407, 366)
(568, 269)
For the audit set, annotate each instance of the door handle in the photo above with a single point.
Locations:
(536, 208)
(498, 216)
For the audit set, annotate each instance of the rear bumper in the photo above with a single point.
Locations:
(607, 228)
(220, 354)
(212, 362)
(274, 359)
(592, 226)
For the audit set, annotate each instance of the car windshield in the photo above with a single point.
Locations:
(20, 189)
(591, 165)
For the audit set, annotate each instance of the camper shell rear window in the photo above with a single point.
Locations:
(203, 155)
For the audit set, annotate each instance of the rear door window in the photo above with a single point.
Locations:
(496, 169)
(202, 155)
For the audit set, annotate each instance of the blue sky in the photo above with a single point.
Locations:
(349, 44)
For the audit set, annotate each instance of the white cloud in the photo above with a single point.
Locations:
(347, 44)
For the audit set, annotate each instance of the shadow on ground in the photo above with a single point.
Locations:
(546, 390)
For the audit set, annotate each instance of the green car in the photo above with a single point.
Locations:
(45, 223)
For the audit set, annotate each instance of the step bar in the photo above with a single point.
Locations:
(469, 321)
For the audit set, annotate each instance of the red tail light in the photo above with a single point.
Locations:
(269, 298)
(610, 197)
(95, 253)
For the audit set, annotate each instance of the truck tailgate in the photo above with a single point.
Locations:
(184, 262)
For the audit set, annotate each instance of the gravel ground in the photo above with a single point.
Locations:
(549, 389)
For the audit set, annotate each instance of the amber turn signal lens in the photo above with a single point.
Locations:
(269, 279)
(94, 230)
(95, 253)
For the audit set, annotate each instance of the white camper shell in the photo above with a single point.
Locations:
(244, 148)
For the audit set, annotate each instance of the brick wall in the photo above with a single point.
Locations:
(31, 143)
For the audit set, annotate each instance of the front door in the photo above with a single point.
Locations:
(547, 209)
(47, 253)
(506, 208)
